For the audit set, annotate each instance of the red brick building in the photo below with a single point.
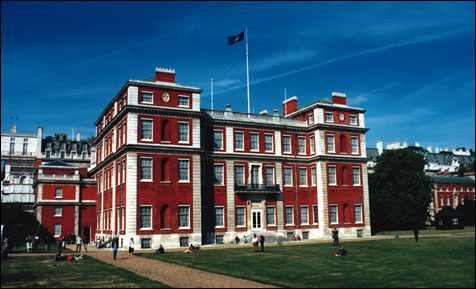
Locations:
(65, 199)
(171, 173)
(451, 192)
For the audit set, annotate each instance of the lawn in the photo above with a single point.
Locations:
(432, 262)
(41, 271)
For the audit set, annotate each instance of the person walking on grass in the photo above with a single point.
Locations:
(261, 242)
(79, 243)
(131, 246)
(415, 232)
(335, 237)
(114, 248)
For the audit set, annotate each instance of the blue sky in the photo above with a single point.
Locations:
(409, 64)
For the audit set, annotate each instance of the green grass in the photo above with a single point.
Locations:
(428, 231)
(432, 262)
(42, 272)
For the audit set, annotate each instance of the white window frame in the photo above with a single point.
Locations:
(305, 178)
(243, 177)
(307, 214)
(290, 144)
(274, 216)
(151, 170)
(311, 118)
(353, 180)
(333, 143)
(188, 132)
(222, 183)
(312, 145)
(184, 96)
(331, 120)
(244, 216)
(242, 140)
(222, 143)
(142, 97)
(353, 116)
(314, 221)
(222, 218)
(284, 176)
(60, 193)
(299, 145)
(355, 214)
(188, 171)
(352, 138)
(151, 129)
(313, 177)
(337, 213)
(54, 229)
(184, 206)
(328, 176)
(272, 142)
(151, 218)
(257, 142)
(266, 175)
(285, 216)
(60, 214)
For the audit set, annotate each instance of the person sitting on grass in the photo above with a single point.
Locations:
(191, 249)
(161, 250)
(59, 257)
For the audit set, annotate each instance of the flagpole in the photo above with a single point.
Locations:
(211, 84)
(247, 72)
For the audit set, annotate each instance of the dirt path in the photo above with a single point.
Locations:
(171, 274)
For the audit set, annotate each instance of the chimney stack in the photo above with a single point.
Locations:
(13, 129)
(165, 74)
(380, 147)
(78, 138)
(339, 98)
(290, 105)
(264, 112)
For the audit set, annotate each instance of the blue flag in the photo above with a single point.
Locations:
(236, 38)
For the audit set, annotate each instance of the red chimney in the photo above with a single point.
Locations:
(164, 74)
(339, 98)
(290, 105)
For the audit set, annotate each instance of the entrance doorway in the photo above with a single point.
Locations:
(86, 234)
(256, 219)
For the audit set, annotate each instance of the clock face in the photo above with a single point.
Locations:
(165, 97)
(341, 116)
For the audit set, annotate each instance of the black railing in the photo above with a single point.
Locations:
(250, 188)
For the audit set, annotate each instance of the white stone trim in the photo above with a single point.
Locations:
(132, 95)
(131, 194)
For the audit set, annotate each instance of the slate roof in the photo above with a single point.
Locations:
(452, 180)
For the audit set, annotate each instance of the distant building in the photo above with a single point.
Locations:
(442, 161)
(19, 152)
(65, 199)
(450, 192)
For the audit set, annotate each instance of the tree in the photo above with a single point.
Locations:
(468, 211)
(400, 192)
(19, 224)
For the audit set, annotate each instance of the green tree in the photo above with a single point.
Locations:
(19, 224)
(400, 192)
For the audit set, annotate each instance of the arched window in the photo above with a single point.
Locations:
(343, 144)
(165, 217)
(22, 179)
(165, 170)
(344, 177)
(346, 214)
(165, 130)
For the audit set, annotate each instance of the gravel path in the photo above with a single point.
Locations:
(171, 274)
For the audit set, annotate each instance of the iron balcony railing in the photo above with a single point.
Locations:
(256, 188)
